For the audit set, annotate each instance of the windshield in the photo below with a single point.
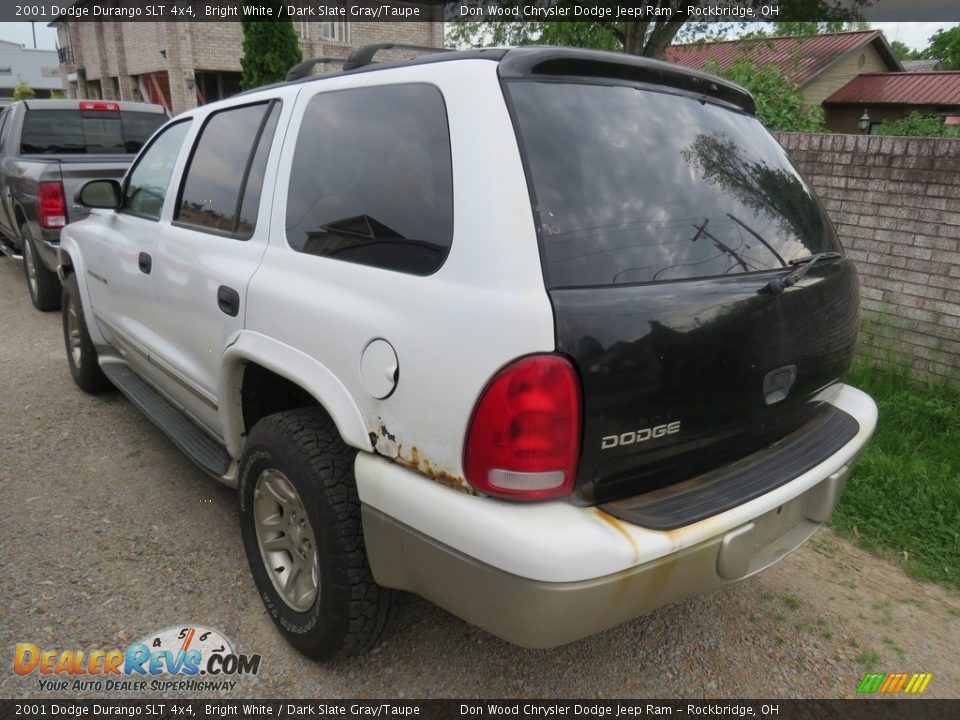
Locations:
(634, 185)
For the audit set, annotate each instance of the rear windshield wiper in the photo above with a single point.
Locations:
(779, 284)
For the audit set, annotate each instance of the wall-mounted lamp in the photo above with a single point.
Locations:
(190, 80)
(163, 54)
(864, 122)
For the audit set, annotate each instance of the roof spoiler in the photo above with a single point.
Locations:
(572, 62)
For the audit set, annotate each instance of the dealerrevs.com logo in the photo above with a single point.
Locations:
(188, 658)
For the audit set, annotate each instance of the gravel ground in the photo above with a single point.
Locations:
(107, 532)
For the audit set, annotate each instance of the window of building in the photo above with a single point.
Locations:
(359, 194)
(6, 71)
(213, 85)
(148, 181)
(336, 31)
(221, 188)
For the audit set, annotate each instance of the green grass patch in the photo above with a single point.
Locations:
(869, 659)
(903, 499)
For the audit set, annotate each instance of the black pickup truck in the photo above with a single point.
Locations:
(48, 150)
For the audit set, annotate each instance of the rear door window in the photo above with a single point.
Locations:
(635, 185)
(371, 181)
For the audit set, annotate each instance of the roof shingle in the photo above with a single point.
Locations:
(907, 88)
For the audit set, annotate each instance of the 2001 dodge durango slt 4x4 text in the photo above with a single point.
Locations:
(550, 337)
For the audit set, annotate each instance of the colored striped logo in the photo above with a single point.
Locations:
(892, 683)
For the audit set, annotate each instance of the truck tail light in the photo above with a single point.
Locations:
(100, 105)
(523, 441)
(53, 206)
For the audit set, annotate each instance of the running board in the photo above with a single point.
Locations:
(198, 446)
(8, 250)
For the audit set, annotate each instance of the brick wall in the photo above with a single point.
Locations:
(896, 205)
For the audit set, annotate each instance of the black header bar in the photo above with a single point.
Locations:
(172, 709)
(496, 10)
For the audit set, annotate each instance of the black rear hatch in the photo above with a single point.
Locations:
(663, 217)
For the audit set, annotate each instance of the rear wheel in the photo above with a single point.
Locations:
(301, 529)
(81, 354)
(42, 284)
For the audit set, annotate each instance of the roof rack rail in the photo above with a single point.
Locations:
(364, 56)
(301, 70)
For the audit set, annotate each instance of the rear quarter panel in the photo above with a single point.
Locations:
(452, 330)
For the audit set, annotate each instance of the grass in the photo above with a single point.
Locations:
(903, 499)
(869, 659)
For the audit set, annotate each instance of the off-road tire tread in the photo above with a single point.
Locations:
(363, 607)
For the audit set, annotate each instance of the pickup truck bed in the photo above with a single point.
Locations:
(50, 149)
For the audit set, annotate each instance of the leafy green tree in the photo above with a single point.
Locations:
(945, 47)
(780, 103)
(23, 92)
(270, 48)
(918, 125)
(905, 52)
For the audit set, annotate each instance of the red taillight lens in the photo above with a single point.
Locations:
(100, 105)
(53, 207)
(524, 438)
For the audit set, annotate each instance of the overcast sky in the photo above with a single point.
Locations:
(914, 34)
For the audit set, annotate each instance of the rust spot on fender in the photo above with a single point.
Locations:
(385, 445)
(427, 468)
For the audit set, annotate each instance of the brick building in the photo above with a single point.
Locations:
(184, 64)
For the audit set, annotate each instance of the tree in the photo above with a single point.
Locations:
(780, 103)
(905, 52)
(649, 35)
(270, 49)
(917, 125)
(945, 47)
(23, 92)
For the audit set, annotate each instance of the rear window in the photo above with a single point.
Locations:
(633, 185)
(87, 132)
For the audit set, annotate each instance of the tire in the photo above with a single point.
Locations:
(300, 451)
(42, 284)
(81, 354)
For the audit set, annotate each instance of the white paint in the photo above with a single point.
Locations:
(556, 541)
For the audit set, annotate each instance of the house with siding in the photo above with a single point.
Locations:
(893, 96)
(181, 65)
(818, 64)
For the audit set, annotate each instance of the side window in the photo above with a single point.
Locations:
(371, 181)
(221, 187)
(147, 182)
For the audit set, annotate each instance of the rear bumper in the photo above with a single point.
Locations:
(545, 574)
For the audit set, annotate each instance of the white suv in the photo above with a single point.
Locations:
(550, 337)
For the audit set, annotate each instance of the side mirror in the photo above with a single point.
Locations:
(100, 194)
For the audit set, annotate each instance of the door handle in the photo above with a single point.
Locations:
(146, 263)
(228, 300)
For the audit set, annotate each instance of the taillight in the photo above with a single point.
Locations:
(524, 438)
(100, 105)
(53, 207)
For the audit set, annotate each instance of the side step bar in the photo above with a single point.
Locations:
(199, 447)
(8, 249)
